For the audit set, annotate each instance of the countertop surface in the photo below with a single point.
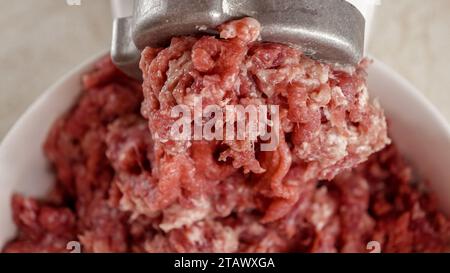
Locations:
(51, 37)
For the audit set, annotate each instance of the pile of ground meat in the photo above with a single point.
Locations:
(331, 184)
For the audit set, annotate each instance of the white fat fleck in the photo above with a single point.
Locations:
(304, 147)
(376, 121)
(353, 139)
(338, 145)
(327, 113)
(338, 96)
(322, 97)
(363, 98)
(195, 235)
(363, 149)
(264, 76)
(310, 82)
(321, 211)
(314, 107)
(177, 216)
(323, 78)
(229, 241)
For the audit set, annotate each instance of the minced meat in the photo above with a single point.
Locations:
(330, 185)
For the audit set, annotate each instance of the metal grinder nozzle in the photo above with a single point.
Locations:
(331, 31)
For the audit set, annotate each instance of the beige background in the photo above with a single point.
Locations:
(42, 40)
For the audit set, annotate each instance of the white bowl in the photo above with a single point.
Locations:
(421, 133)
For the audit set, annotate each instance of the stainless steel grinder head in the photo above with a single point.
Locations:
(331, 31)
